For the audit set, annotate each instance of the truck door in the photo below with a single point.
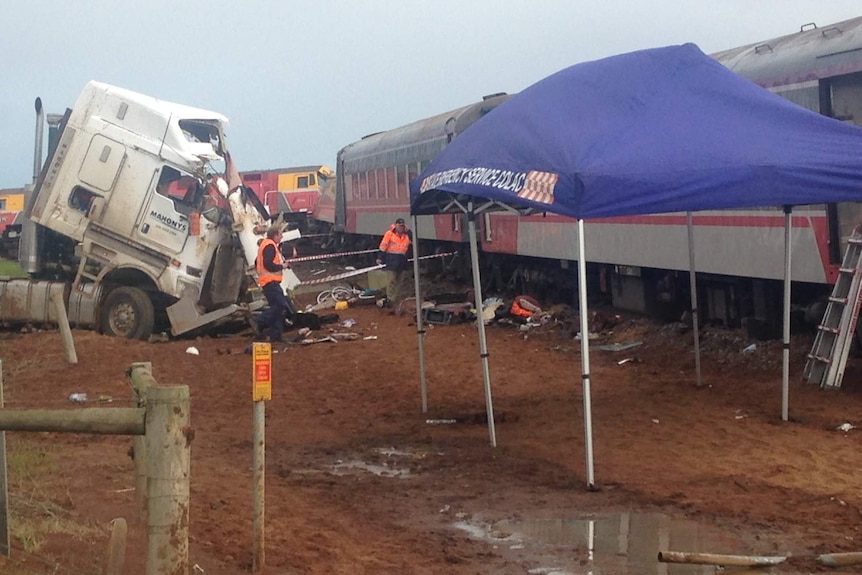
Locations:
(164, 220)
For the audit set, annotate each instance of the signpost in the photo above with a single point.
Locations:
(261, 392)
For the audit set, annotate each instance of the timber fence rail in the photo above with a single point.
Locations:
(161, 432)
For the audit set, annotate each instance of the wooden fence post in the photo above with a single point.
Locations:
(168, 439)
(65, 330)
(117, 547)
(141, 379)
(5, 544)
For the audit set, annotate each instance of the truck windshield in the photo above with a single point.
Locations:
(204, 131)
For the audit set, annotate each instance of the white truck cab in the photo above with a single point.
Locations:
(136, 222)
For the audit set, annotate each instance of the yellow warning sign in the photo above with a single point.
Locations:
(261, 371)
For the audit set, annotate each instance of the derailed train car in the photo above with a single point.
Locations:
(639, 263)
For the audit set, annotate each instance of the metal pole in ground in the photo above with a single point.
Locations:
(785, 346)
(168, 438)
(483, 344)
(693, 283)
(585, 354)
(420, 328)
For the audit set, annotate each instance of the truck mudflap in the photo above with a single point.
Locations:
(24, 301)
(184, 315)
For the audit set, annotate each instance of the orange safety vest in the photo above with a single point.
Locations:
(521, 307)
(518, 311)
(264, 276)
(393, 243)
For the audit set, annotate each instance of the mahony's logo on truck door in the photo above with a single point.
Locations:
(169, 221)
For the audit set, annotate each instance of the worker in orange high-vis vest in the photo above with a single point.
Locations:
(269, 266)
(394, 249)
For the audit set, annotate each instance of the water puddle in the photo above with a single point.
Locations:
(382, 470)
(619, 544)
(391, 464)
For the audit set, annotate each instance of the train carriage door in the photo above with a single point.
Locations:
(841, 98)
(164, 221)
(342, 188)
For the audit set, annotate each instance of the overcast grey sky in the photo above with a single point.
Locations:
(300, 79)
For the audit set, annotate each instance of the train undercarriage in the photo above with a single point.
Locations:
(752, 304)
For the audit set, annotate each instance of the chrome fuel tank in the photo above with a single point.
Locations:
(28, 301)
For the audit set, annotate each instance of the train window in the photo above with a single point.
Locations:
(380, 178)
(302, 181)
(3, 204)
(363, 186)
(402, 182)
(391, 183)
(311, 181)
(350, 187)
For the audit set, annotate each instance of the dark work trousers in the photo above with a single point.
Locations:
(272, 317)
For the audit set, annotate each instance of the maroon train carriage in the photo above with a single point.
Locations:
(638, 263)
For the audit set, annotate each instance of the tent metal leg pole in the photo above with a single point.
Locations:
(693, 282)
(483, 344)
(585, 353)
(785, 352)
(420, 327)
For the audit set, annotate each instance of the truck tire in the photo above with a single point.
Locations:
(127, 312)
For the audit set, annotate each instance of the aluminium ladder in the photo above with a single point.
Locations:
(828, 356)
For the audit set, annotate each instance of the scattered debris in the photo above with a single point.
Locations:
(490, 309)
(344, 336)
(78, 397)
(326, 339)
(192, 351)
(618, 346)
(441, 421)
(845, 427)
(750, 349)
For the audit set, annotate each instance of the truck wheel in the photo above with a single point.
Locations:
(127, 312)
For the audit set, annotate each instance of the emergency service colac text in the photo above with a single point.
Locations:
(505, 180)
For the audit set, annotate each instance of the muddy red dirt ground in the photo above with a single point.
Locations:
(718, 453)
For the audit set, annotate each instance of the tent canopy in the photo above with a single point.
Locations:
(661, 130)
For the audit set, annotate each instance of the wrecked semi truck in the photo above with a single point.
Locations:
(131, 222)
